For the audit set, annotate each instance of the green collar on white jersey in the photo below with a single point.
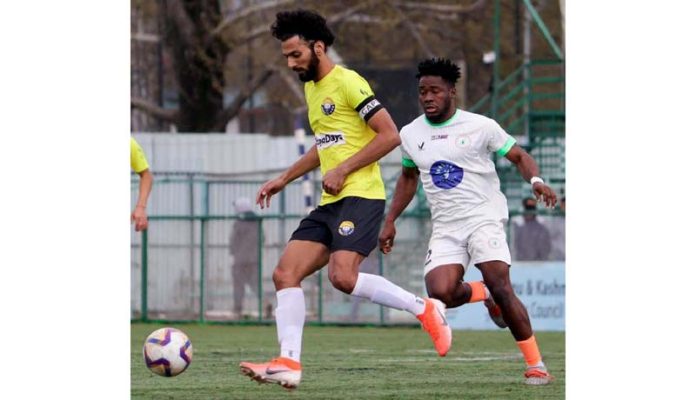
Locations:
(444, 123)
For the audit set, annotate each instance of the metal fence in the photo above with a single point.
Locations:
(182, 269)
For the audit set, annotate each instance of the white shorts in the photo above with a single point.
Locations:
(463, 246)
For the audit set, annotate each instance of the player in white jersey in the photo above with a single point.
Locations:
(450, 149)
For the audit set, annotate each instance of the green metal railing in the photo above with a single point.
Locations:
(148, 275)
(403, 266)
(533, 89)
(530, 102)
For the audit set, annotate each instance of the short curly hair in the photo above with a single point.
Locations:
(308, 25)
(441, 67)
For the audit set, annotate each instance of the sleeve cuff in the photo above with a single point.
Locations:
(506, 147)
(408, 163)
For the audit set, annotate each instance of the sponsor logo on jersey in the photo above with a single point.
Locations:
(346, 228)
(494, 243)
(368, 107)
(328, 106)
(420, 146)
(445, 174)
(325, 140)
(364, 92)
(439, 137)
(427, 257)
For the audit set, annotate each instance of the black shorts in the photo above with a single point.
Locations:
(351, 223)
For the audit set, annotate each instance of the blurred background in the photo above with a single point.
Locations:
(217, 113)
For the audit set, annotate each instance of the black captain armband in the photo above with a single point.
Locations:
(368, 107)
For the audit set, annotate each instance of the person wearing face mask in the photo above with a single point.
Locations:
(244, 247)
(532, 238)
(556, 225)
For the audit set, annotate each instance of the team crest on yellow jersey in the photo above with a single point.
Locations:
(328, 106)
(346, 228)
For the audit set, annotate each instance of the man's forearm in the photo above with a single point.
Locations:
(527, 167)
(144, 188)
(380, 146)
(305, 164)
(403, 194)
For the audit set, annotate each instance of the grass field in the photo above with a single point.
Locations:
(352, 363)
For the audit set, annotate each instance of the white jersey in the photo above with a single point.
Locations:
(456, 169)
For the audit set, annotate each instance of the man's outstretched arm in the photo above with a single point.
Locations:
(306, 163)
(529, 169)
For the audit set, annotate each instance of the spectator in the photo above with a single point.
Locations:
(244, 243)
(556, 226)
(532, 239)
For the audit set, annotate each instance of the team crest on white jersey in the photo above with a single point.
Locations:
(328, 106)
(461, 141)
(328, 139)
(346, 228)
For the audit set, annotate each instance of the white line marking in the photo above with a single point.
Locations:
(361, 350)
(453, 359)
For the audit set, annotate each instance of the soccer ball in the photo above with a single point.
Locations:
(167, 352)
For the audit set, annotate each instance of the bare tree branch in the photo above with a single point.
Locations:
(245, 12)
(411, 28)
(231, 111)
(292, 84)
(334, 19)
(444, 8)
(154, 110)
(145, 37)
(176, 12)
(444, 32)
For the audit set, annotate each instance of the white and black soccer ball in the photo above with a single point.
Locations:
(167, 352)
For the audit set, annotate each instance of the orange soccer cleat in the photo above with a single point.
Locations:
(495, 312)
(434, 322)
(283, 371)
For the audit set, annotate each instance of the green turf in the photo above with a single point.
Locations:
(352, 363)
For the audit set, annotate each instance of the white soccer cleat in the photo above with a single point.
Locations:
(283, 371)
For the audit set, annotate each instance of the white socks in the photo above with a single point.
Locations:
(290, 313)
(381, 291)
(290, 318)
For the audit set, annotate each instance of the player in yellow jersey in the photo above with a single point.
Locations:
(140, 166)
(352, 131)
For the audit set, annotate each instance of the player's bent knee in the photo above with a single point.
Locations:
(284, 278)
(343, 281)
(443, 294)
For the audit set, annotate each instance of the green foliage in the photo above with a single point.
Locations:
(352, 363)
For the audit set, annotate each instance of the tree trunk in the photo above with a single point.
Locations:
(199, 60)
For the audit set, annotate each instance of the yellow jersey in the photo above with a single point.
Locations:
(138, 160)
(339, 106)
